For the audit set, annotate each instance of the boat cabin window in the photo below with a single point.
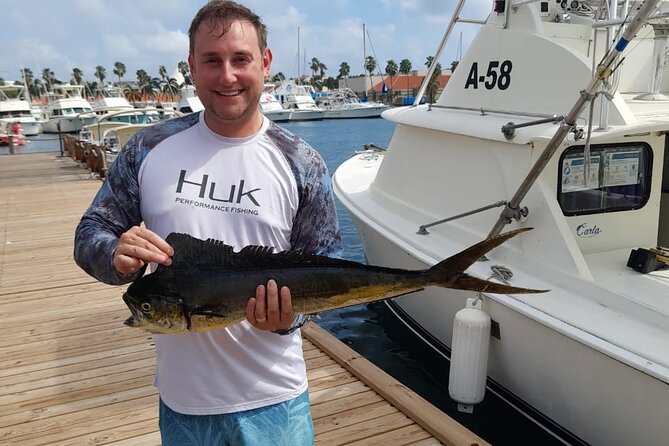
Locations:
(619, 179)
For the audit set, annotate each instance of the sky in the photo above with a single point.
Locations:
(144, 34)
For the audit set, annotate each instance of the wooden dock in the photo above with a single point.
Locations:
(72, 374)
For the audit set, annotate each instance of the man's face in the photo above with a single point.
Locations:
(229, 73)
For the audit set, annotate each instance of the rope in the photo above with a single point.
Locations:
(500, 272)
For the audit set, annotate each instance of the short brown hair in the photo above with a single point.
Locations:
(224, 12)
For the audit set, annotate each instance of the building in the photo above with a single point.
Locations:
(402, 88)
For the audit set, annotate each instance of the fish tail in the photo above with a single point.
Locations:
(449, 273)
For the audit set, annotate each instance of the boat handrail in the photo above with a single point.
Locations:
(485, 111)
(422, 229)
(454, 19)
(602, 72)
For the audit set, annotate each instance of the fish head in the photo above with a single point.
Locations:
(157, 312)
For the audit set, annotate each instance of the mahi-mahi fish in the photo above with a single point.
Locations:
(208, 284)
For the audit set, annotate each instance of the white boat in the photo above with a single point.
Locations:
(39, 113)
(67, 111)
(271, 107)
(343, 103)
(297, 98)
(15, 107)
(110, 99)
(189, 102)
(589, 359)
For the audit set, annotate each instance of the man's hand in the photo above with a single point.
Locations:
(139, 246)
(268, 310)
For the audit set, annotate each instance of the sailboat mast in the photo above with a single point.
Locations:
(364, 57)
(298, 52)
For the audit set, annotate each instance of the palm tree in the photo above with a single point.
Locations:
(119, 70)
(184, 69)
(405, 68)
(77, 76)
(169, 86)
(315, 63)
(101, 74)
(49, 78)
(132, 95)
(433, 84)
(454, 65)
(278, 77)
(391, 70)
(370, 65)
(344, 71)
(322, 69)
(165, 84)
(29, 79)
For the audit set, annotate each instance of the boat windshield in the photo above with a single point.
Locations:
(619, 179)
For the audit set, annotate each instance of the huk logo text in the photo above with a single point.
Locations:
(235, 193)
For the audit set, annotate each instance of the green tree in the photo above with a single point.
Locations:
(433, 84)
(29, 79)
(278, 77)
(132, 94)
(370, 66)
(166, 83)
(119, 71)
(405, 69)
(101, 74)
(77, 76)
(144, 83)
(315, 64)
(454, 65)
(344, 71)
(49, 78)
(184, 69)
(391, 70)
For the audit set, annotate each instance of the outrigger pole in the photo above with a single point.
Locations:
(602, 72)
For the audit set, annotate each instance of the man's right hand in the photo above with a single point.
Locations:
(139, 246)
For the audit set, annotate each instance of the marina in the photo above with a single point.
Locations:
(75, 375)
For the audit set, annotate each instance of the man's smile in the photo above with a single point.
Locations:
(229, 93)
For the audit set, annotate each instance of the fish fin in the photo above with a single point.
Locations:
(464, 281)
(464, 259)
(193, 253)
(190, 252)
(449, 273)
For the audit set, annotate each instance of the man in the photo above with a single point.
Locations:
(231, 174)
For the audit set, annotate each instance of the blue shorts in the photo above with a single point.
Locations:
(284, 424)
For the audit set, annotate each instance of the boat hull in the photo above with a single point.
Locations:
(354, 113)
(306, 115)
(578, 388)
(278, 116)
(31, 128)
(67, 125)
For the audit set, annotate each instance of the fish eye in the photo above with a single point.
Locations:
(146, 306)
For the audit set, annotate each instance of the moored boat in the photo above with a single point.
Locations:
(189, 102)
(271, 107)
(594, 350)
(342, 103)
(15, 107)
(298, 99)
(67, 110)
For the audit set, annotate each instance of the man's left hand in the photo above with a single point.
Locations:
(270, 310)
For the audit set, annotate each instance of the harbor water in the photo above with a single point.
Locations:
(372, 329)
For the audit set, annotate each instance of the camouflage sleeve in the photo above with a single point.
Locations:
(316, 228)
(114, 210)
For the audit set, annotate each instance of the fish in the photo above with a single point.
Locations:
(208, 284)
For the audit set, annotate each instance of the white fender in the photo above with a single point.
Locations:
(469, 356)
